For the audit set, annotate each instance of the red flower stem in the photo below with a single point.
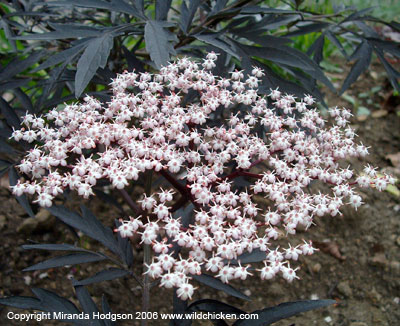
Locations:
(251, 175)
(181, 188)
(130, 202)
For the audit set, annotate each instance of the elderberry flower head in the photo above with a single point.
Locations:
(149, 125)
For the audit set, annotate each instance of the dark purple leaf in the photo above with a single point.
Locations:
(187, 14)
(185, 214)
(357, 15)
(15, 83)
(363, 55)
(255, 256)
(70, 259)
(219, 5)
(9, 114)
(332, 37)
(88, 224)
(159, 41)
(52, 247)
(285, 310)
(317, 48)
(387, 46)
(264, 10)
(308, 28)
(215, 283)
(105, 275)
(106, 309)
(88, 305)
(22, 200)
(179, 307)
(23, 99)
(125, 247)
(5, 148)
(162, 8)
(264, 40)
(214, 40)
(112, 5)
(95, 56)
(21, 302)
(213, 306)
(51, 301)
(17, 66)
(393, 74)
(64, 56)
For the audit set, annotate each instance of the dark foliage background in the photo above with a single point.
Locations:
(57, 51)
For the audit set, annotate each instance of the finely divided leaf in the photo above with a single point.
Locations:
(51, 301)
(23, 99)
(23, 200)
(94, 57)
(217, 284)
(185, 214)
(187, 14)
(285, 310)
(307, 28)
(70, 259)
(63, 56)
(213, 306)
(8, 112)
(112, 5)
(255, 256)
(88, 224)
(103, 234)
(52, 247)
(219, 5)
(158, 41)
(16, 66)
(125, 247)
(5, 148)
(214, 40)
(332, 37)
(106, 309)
(162, 8)
(393, 74)
(88, 305)
(15, 83)
(21, 302)
(105, 275)
(363, 54)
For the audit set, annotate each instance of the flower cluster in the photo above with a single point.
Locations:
(148, 126)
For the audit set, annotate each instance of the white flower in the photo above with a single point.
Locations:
(185, 291)
(44, 200)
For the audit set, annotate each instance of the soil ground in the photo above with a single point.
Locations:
(362, 275)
